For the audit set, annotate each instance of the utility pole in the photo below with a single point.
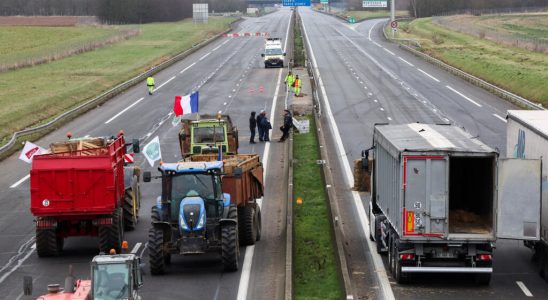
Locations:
(393, 15)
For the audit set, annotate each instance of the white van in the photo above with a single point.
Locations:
(273, 54)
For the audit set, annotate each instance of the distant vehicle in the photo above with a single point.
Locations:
(206, 206)
(207, 135)
(527, 137)
(82, 188)
(273, 53)
(113, 277)
(440, 198)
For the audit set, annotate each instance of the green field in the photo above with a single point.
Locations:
(361, 15)
(31, 95)
(517, 70)
(526, 26)
(315, 268)
(23, 43)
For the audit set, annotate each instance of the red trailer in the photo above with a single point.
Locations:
(81, 188)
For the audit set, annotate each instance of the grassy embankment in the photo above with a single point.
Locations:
(517, 70)
(31, 95)
(361, 15)
(315, 267)
(298, 52)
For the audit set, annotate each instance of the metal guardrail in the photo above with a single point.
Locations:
(68, 115)
(502, 93)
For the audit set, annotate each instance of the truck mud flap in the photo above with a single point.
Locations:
(446, 270)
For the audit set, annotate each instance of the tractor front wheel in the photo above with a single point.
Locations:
(157, 258)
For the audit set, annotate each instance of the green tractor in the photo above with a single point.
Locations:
(207, 135)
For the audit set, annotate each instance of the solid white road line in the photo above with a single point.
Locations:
(123, 111)
(370, 29)
(161, 85)
(382, 277)
(19, 263)
(216, 48)
(136, 248)
(463, 96)
(405, 61)
(185, 69)
(500, 118)
(433, 78)
(388, 51)
(524, 289)
(201, 58)
(378, 45)
(243, 287)
(19, 182)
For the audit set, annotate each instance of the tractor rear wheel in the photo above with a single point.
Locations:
(157, 258)
(111, 236)
(230, 245)
(154, 214)
(249, 225)
(258, 221)
(132, 203)
(48, 243)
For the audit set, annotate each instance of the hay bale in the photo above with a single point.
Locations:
(362, 177)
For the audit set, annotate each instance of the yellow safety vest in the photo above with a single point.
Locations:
(150, 81)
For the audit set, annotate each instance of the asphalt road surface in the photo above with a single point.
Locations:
(368, 80)
(230, 76)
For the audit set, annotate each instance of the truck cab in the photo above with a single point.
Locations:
(273, 53)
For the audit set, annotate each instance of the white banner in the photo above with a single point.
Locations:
(29, 151)
(303, 126)
(152, 151)
(376, 3)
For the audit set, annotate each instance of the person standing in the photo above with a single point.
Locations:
(288, 124)
(289, 79)
(266, 126)
(150, 84)
(297, 86)
(259, 126)
(252, 126)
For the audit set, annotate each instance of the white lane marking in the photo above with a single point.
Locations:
(388, 51)
(370, 29)
(433, 78)
(136, 248)
(382, 109)
(463, 96)
(378, 45)
(185, 69)
(500, 118)
(405, 61)
(19, 263)
(524, 289)
(225, 42)
(201, 58)
(382, 277)
(161, 85)
(248, 258)
(19, 182)
(389, 119)
(123, 111)
(216, 48)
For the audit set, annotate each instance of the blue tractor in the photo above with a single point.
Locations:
(193, 215)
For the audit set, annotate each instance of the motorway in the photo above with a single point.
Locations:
(230, 76)
(367, 80)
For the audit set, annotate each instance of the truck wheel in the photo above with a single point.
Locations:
(156, 251)
(249, 225)
(230, 246)
(543, 262)
(111, 236)
(132, 205)
(48, 243)
(258, 221)
(154, 214)
(400, 277)
(390, 255)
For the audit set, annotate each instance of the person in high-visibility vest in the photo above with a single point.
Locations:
(289, 79)
(150, 84)
(297, 86)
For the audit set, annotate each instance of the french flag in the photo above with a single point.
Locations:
(186, 104)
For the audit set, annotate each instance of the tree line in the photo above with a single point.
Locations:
(428, 8)
(116, 11)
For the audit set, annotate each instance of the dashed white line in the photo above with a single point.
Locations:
(161, 85)
(136, 248)
(405, 61)
(388, 51)
(524, 289)
(19, 182)
(433, 78)
(201, 58)
(377, 44)
(216, 48)
(185, 69)
(389, 119)
(382, 109)
(463, 96)
(500, 118)
(123, 111)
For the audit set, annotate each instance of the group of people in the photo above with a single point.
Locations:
(294, 82)
(263, 126)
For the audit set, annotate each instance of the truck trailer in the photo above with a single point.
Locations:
(440, 198)
(527, 137)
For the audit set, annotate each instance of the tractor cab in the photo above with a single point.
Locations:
(208, 135)
(116, 277)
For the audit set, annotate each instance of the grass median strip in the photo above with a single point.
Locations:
(361, 15)
(315, 267)
(30, 95)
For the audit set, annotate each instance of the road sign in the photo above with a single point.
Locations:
(296, 2)
(351, 20)
(377, 3)
(324, 1)
(394, 24)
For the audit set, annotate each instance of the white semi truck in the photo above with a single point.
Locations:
(527, 137)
